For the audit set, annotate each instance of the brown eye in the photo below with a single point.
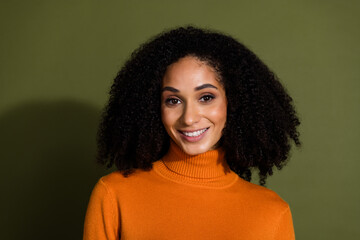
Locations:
(207, 98)
(172, 101)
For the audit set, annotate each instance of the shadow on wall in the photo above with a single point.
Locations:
(48, 169)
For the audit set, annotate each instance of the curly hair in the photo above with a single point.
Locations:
(261, 119)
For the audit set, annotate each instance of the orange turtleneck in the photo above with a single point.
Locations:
(185, 197)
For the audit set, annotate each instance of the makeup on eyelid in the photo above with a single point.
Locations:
(212, 97)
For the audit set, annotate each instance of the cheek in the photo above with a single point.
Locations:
(164, 117)
(168, 117)
(218, 115)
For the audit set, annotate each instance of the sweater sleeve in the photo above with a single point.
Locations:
(102, 215)
(285, 228)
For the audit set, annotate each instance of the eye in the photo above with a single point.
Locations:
(172, 101)
(207, 98)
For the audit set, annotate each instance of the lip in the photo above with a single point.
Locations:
(193, 139)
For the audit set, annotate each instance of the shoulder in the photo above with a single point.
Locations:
(112, 178)
(110, 187)
(116, 181)
(261, 196)
(105, 185)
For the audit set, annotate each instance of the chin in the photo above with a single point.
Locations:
(194, 150)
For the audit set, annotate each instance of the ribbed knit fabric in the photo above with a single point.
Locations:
(208, 169)
(185, 197)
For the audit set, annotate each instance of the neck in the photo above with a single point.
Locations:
(209, 168)
(210, 164)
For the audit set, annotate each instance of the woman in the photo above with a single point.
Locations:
(190, 115)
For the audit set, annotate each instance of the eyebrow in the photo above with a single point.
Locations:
(206, 85)
(171, 89)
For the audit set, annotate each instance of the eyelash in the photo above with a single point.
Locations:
(208, 96)
(169, 101)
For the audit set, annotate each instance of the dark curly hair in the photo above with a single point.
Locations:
(261, 119)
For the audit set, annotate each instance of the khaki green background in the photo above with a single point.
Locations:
(57, 62)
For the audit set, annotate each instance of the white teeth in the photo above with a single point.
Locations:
(194, 134)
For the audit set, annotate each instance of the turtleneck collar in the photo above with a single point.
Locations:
(205, 169)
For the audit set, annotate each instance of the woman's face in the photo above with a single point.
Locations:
(193, 105)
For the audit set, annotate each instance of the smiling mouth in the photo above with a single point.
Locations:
(194, 133)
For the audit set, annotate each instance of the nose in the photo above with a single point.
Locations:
(191, 114)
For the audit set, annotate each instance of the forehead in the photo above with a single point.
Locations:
(190, 72)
